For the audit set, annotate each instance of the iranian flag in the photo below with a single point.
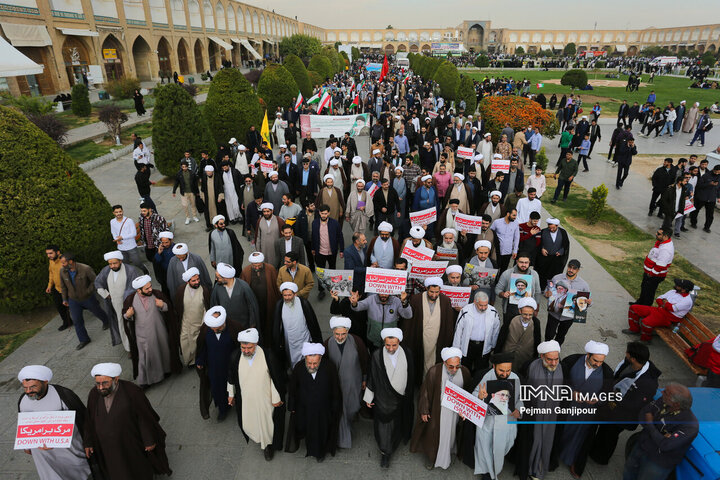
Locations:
(325, 101)
(299, 102)
(314, 99)
(373, 190)
(540, 85)
(355, 103)
(406, 78)
(352, 86)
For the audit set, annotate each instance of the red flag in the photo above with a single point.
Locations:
(385, 69)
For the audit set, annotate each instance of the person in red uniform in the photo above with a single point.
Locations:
(672, 307)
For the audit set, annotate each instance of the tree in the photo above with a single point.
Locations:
(315, 78)
(321, 64)
(482, 61)
(448, 78)
(466, 91)
(519, 51)
(222, 112)
(575, 78)
(253, 112)
(355, 53)
(51, 125)
(113, 117)
(389, 27)
(297, 69)
(707, 59)
(304, 46)
(570, 49)
(277, 88)
(46, 199)
(331, 54)
(178, 126)
(80, 100)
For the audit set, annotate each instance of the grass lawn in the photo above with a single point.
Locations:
(667, 89)
(89, 149)
(8, 343)
(620, 247)
(127, 106)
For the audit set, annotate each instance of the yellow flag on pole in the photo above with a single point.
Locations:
(265, 130)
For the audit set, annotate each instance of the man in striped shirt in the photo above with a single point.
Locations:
(656, 266)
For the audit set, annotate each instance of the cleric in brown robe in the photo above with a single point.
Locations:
(122, 431)
(431, 327)
(437, 429)
(521, 335)
(262, 278)
(146, 351)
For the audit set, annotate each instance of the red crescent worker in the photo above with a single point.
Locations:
(672, 307)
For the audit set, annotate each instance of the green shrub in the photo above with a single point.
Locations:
(448, 78)
(113, 118)
(315, 79)
(541, 160)
(28, 105)
(222, 110)
(45, 200)
(122, 88)
(322, 65)
(304, 46)
(519, 51)
(570, 49)
(466, 91)
(331, 54)
(707, 59)
(80, 100)
(297, 69)
(252, 113)
(177, 125)
(596, 205)
(277, 88)
(575, 78)
(482, 61)
(356, 53)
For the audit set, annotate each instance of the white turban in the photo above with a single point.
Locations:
(376, 151)
(267, 205)
(486, 135)
(256, 257)
(336, 322)
(328, 175)
(596, 348)
(312, 349)
(180, 249)
(549, 346)
(189, 273)
(232, 140)
(250, 335)
(497, 155)
(527, 302)
(385, 227)
(450, 352)
(141, 281)
(116, 254)
(272, 173)
(106, 370)
(209, 168)
(425, 178)
(242, 147)
(399, 168)
(166, 235)
(496, 192)
(289, 286)
(337, 150)
(225, 270)
(479, 156)
(433, 282)
(417, 232)
(211, 320)
(283, 146)
(217, 218)
(391, 332)
(334, 162)
(35, 372)
(483, 243)
(453, 269)
(460, 176)
(356, 160)
(449, 230)
(552, 221)
(359, 180)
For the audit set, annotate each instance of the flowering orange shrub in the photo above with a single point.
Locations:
(519, 112)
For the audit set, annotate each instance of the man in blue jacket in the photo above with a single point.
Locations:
(327, 239)
(355, 256)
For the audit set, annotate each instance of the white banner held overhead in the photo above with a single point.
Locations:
(323, 125)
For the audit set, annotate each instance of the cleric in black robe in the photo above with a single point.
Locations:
(122, 430)
(553, 252)
(287, 345)
(315, 403)
(389, 393)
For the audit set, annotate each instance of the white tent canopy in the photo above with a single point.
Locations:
(250, 49)
(22, 35)
(545, 47)
(621, 48)
(14, 64)
(221, 42)
(77, 32)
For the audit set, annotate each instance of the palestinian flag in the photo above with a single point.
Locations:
(325, 101)
(355, 103)
(540, 85)
(406, 78)
(299, 102)
(314, 99)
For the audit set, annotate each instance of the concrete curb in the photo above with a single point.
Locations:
(112, 156)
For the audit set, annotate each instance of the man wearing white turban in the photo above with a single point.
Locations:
(114, 284)
(389, 393)
(275, 189)
(435, 426)
(268, 230)
(535, 440)
(223, 245)
(333, 197)
(360, 208)
(349, 353)
(212, 193)
(314, 403)
(256, 387)
(191, 302)
(40, 396)
(235, 296)
(184, 260)
(522, 334)
(151, 328)
(294, 324)
(587, 374)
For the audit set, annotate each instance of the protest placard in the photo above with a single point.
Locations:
(49, 429)
(385, 281)
(463, 403)
(499, 165)
(443, 253)
(419, 253)
(423, 217)
(464, 152)
(426, 269)
(576, 304)
(338, 281)
(520, 287)
(266, 165)
(481, 276)
(468, 223)
(459, 296)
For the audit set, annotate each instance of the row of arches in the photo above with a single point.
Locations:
(391, 36)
